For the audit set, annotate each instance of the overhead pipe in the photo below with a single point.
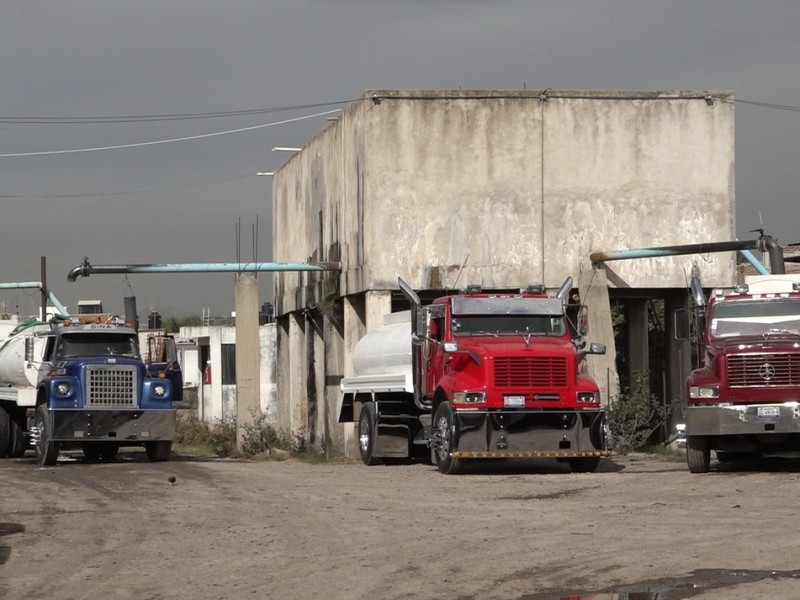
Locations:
(37, 285)
(764, 243)
(85, 269)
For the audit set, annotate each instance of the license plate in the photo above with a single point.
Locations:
(514, 401)
(769, 412)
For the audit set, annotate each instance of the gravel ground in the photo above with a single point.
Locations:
(230, 529)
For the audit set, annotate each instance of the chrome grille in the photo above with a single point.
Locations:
(111, 386)
(763, 370)
(530, 371)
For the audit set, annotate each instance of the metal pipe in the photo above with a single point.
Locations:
(764, 243)
(37, 285)
(85, 269)
(733, 246)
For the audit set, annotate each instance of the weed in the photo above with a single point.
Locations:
(634, 416)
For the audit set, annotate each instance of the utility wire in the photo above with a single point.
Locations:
(129, 193)
(168, 141)
(164, 117)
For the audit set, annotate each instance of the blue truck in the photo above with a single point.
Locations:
(80, 383)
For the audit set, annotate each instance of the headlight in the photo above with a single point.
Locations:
(704, 391)
(63, 389)
(469, 397)
(589, 397)
(159, 390)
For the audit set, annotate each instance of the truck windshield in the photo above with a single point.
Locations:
(763, 317)
(508, 325)
(98, 344)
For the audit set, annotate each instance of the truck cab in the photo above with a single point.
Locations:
(744, 398)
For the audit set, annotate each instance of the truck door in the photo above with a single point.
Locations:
(163, 356)
(432, 349)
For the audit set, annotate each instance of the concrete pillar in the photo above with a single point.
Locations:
(354, 329)
(283, 380)
(334, 370)
(248, 384)
(638, 339)
(317, 405)
(593, 288)
(298, 378)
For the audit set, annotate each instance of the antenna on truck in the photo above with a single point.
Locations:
(460, 270)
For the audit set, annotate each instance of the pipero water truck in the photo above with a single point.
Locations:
(475, 376)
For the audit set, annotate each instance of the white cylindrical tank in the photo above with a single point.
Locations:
(386, 350)
(14, 368)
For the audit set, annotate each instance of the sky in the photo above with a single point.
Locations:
(98, 99)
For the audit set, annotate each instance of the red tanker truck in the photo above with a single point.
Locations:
(744, 399)
(475, 375)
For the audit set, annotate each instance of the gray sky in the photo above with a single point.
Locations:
(181, 202)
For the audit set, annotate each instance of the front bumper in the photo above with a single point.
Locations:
(122, 426)
(530, 433)
(743, 419)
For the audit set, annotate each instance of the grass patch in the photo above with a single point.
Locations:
(261, 441)
(665, 452)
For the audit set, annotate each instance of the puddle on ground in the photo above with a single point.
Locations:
(669, 588)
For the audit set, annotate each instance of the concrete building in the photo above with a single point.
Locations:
(504, 189)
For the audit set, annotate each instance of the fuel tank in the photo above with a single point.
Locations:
(385, 350)
(14, 369)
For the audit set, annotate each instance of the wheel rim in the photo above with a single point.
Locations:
(41, 443)
(443, 429)
(363, 436)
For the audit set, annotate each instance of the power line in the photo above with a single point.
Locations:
(162, 117)
(167, 141)
(128, 193)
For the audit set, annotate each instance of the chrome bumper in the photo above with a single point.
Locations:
(505, 433)
(743, 419)
(111, 425)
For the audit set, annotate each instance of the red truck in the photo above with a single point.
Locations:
(744, 399)
(475, 375)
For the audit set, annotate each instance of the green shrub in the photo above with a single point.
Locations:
(634, 416)
(261, 437)
(217, 438)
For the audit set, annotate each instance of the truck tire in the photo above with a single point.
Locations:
(19, 442)
(587, 464)
(158, 451)
(445, 432)
(46, 450)
(698, 454)
(5, 433)
(367, 432)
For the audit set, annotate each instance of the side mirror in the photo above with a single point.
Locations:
(681, 324)
(597, 348)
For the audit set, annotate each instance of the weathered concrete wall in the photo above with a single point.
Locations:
(521, 187)
(517, 187)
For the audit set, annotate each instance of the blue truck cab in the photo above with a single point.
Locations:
(94, 393)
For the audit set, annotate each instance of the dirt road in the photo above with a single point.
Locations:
(235, 529)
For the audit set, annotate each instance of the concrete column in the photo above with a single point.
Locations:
(638, 343)
(248, 374)
(354, 330)
(334, 370)
(298, 378)
(593, 288)
(283, 380)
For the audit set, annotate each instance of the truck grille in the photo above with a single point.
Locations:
(530, 371)
(111, 386)
(760, 370)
